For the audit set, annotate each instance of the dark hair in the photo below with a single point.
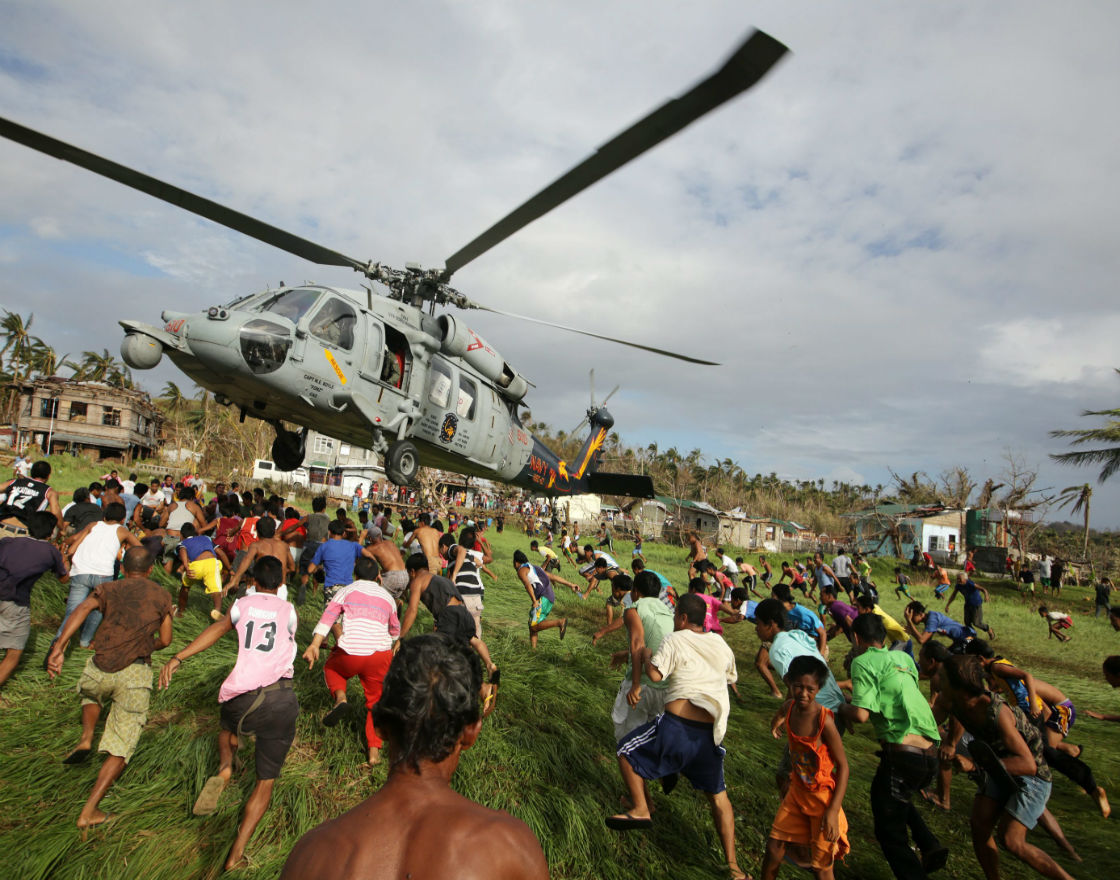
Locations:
(468, 537)
(425, 518)
(1111, 665)
(40, 524)
(647, 584)
(137, 560)
(623, 582)
(187, 530)
(782, 592)
(937, 651)
(692, 608)
(81, 495)
(898, 569)
(266, 527)
(830, 589)
(113, 485)
(772, 611)
(966, 673)
(863, 600)
(319, 503)
(416, 562)
(430, 695)
(916, 607)
(187, 493)
(637, 566)
(870, 629)
(519, 558)
(96, 487)
(337, 527)
(268, 572)
(114, 512)
(600, 562)
(533, 545)
(1114, 611)
(366, 569)
(587, 548)
(697, 585)
(806, 664)
(980, 648)
(739, 594)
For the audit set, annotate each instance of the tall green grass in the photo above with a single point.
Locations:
(546, 754)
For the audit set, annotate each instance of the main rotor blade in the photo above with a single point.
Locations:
(181, 198)
(650, 348)
(749, 63)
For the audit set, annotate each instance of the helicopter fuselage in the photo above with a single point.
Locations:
(367, 373)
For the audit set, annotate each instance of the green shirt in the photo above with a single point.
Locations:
(657, 622)
(885, 683)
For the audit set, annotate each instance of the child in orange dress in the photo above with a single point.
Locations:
(810, 823)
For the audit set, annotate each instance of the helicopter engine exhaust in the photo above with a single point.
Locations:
(141, 352)
(458, 340)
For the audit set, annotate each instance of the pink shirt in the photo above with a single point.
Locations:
(711, 622)
(265, 626)
(369, 618)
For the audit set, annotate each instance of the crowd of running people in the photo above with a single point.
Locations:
(983, 714)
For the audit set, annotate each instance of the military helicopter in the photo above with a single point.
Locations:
(384, 372)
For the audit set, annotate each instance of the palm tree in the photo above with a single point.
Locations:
(1107, 455)
(44, 361)
(1078, 498)
(18, 341)
(98, 367)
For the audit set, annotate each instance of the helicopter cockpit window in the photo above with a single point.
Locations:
(291, 304)
(468, 394)
(264, 345)
(334, 324)
(439, 391)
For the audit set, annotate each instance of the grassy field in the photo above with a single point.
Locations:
(546, 754)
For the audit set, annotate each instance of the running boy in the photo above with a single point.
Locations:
(256, 698)
(810, 820)
(1056, 621)
(539, 587)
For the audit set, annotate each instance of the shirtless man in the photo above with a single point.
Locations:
(267, 544)
(393, 576)
(429, 715)
(429, 541)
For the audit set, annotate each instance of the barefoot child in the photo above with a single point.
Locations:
(203, 563)
(1056, 621)
(810, 820)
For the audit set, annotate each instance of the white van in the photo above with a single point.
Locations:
(263, 469)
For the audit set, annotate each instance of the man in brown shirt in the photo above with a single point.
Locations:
(119, 671)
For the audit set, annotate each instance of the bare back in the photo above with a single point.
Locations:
(416, 827)
(429, 544)
(387, 555)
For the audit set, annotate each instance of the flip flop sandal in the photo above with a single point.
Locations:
(627, 823)
(564, 628)
(78, 756)
(336, 714)
(207, 801)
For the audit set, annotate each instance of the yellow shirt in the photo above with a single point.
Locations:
(895, 632)
(546, 552)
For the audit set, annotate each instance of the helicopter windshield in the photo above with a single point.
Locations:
(291, 304)
(265, 345)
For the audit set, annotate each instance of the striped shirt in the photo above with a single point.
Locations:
(369, 618)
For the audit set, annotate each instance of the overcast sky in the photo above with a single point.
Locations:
(900, 245)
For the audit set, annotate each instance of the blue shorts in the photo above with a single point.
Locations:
(668, 745)
(1027, 804)
(539, 612)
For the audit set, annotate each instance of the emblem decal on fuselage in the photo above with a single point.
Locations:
(450, 426)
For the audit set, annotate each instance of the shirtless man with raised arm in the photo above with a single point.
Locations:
(429, 542)
(416, 825)
(267, 544)
(393, 576)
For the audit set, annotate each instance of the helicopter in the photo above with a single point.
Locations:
(383, 371)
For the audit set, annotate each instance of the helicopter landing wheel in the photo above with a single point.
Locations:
(288, 450)
(402, 463)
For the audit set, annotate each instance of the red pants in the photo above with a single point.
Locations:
(341, 667)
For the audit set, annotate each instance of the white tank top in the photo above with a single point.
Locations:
(179, 517)
(98, 551)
